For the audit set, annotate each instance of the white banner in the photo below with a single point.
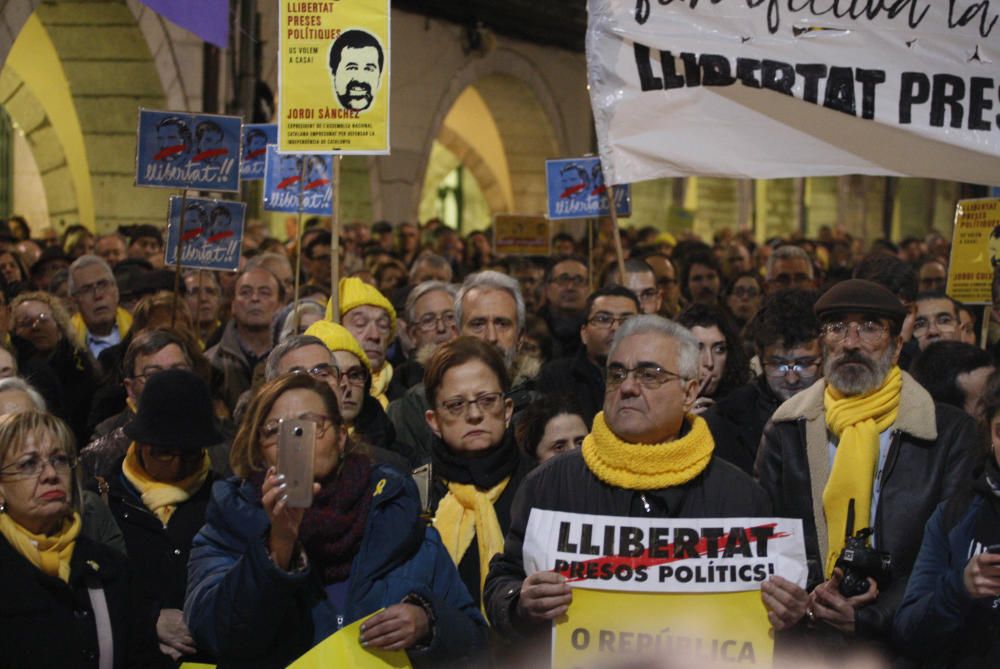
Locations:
(786, 88)
(664, 554)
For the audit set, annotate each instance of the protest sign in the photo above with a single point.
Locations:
(576, 189)
(975, 251)
(256, 137)
(282, 174)
(747, 88)
(701, 630)
(520, 235)
(662, 585)
(343, 649)
(178, 150)
(213, 233)
(333, 76)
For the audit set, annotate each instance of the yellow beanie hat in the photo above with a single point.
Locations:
(356, 293)
(666, 238)
(338, 338)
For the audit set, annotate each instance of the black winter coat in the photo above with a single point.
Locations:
(565, 483)
(737, 422)
(47, 623)
(931, 456)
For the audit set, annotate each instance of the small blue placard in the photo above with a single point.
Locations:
(178, 150)
(256, 137)
(576, 189)
(281, 182)
(213, 233)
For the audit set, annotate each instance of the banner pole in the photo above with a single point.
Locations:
(199, 302)
(177, 259)
(335, 245)
(618, 239)
(298, 243)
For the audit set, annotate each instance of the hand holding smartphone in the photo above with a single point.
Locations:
(296, 447)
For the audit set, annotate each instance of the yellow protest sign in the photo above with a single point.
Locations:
(603, 627)
(333, 76)
(343, 649)
(520, 235)
(196, 665)
(975, 250)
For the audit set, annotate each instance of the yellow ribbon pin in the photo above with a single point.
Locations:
(378, 488)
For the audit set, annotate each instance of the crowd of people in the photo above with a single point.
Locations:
(145, 519)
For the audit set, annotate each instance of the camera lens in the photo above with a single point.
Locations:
(297, 432)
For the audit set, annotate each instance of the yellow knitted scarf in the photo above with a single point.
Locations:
(858, 421)
(647, 466)
(50, 554)
(162, 498)
(380, 384)
(466, 511)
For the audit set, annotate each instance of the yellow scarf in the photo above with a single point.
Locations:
(858, 421)
(162, 498)
(647, 466)
(380, 384)
(123, 320)
(466, 511)
(50, 554)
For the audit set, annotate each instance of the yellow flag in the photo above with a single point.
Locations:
(344, 649)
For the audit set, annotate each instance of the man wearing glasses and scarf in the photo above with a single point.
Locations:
(868, 438)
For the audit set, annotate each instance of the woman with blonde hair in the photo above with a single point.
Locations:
(267, 581)
(68, 601)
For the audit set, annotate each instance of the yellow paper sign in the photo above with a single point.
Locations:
(520, 235)
(602, 628)
(344, 649)
(333, 76)
(197, 665)
(975, 250)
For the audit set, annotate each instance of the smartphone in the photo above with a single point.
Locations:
(422, 477)
(296, 446)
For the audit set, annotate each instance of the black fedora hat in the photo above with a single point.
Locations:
(175, 411)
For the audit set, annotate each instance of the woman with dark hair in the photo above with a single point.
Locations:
(13, 270)
(724, 363)
(550, 427)
(948, 615)
(476, 463)
(742, 297)
(268, 581)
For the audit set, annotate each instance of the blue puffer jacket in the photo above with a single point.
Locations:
(939, 624)
(250, 613)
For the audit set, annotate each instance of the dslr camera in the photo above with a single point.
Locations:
(859, 561)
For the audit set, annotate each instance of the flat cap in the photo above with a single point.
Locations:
(859, 295)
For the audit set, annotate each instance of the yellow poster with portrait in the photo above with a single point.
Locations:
(975, 250)
(333, 76)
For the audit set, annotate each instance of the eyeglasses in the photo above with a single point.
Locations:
(92, 289)
(32, 322)
(567, 280)
(646, 374)
(269, 431)
(869, 332)
(324, 371)
(944, 323)
(778, 368)
(150, 371)
(33, 465)
(356, 376)
(603, 320)
(429, 322)
(648, 295)
(487, 403)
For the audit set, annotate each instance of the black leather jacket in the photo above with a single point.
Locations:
(931, 456)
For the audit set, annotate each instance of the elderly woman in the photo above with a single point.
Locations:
(41, 319)
(68, 601)
(267, 582)
(161, 492)
(476, 463)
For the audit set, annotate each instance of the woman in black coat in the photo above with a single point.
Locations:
(67, 601)
(476, 464)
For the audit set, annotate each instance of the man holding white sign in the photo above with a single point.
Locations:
(647, 456)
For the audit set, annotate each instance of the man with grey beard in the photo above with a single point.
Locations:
(866, 447)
